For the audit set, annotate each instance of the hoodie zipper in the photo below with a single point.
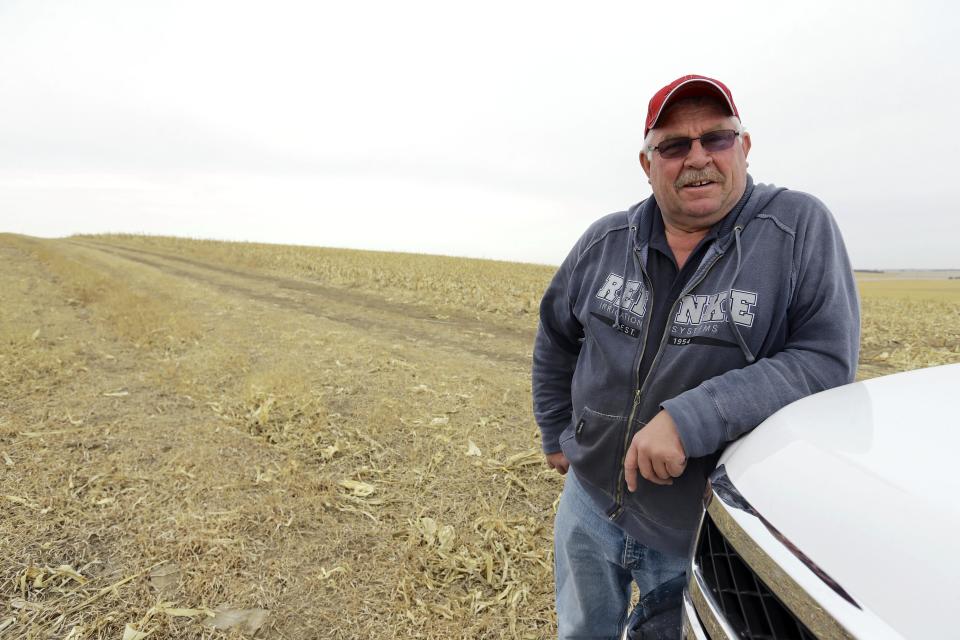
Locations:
(618, 506)
(636, 395)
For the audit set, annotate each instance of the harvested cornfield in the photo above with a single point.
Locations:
(214, 440)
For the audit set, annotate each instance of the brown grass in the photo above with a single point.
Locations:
(909, 324)
(322, 443)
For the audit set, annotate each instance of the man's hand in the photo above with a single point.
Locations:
(656, 451)
(558, 462)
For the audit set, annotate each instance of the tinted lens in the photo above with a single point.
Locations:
(677, 148)
(712, 142)
(718, 140)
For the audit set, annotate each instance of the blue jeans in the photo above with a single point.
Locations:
(594, 563)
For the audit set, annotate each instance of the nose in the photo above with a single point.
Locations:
(697, 157)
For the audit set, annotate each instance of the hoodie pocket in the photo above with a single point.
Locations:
(679, 505)
(592, 444)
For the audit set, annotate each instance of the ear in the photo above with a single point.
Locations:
(745, 137)
(645, 162)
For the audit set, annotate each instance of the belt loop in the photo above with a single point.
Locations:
(627, 552)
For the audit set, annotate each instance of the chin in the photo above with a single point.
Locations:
(702, 211)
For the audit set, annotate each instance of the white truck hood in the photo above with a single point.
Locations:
(863, 480)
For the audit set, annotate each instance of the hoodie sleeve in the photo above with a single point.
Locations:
(821, 350)
(555, 353)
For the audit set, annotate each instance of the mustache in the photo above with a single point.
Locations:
(693, 175)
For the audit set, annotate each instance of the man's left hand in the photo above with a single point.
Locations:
(656, 452)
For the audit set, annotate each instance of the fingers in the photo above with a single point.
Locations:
(638, 460)
(656, 452)
(647, 471)
(660, 470)
(653, 467)
(558, 462)
(676, 467)
(630, 467)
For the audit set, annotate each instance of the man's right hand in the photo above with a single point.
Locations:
(558, 462)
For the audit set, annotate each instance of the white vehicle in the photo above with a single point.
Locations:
(836, 518)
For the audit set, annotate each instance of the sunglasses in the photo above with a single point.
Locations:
(711, 142)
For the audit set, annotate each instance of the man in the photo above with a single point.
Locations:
(671, 329)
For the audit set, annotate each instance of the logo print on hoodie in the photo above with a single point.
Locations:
(693, 310)
(634, 300)
(697, 309)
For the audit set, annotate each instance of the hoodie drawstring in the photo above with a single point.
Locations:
(623, 287)
(733, 326)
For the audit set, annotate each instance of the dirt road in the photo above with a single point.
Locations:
(353, 465)
(386, 318)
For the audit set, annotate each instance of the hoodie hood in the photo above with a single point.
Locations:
(754, 199)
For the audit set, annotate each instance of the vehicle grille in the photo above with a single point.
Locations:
(748, 605)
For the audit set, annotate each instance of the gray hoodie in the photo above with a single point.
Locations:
(770, 315)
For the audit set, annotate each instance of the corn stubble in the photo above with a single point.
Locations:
(223, 440)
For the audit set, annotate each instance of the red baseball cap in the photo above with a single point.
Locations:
(687, 87)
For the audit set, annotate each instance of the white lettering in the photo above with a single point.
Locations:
(634, 295)
(628, 292)
(740, 303)
(610, 288)
(691, 309)
(641, 307)
(714, 311)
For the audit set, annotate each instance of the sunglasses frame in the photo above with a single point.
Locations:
(686, 144)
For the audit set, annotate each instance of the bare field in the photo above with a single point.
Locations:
(202, 439)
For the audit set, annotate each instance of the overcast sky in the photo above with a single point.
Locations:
(494, 129)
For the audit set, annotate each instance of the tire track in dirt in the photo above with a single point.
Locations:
(499, 343)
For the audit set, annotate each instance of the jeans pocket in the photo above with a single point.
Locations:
(592, 445)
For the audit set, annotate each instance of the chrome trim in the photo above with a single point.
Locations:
(692, 629)
(710, 614)
(794, 597)
(721, 485)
